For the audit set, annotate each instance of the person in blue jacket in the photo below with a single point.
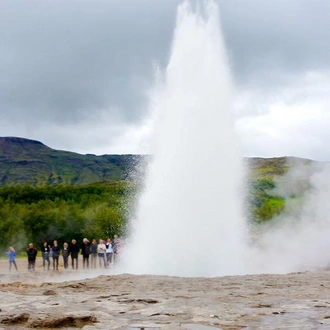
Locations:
(12, 257)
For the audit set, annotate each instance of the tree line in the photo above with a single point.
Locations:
(37, 214)
(99, 210)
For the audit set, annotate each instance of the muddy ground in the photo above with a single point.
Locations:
(99, 299)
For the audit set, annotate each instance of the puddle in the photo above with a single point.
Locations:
(300, 319)
(194, 326)
(188, 326)
(149, 326)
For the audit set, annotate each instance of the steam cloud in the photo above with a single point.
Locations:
(298, 239)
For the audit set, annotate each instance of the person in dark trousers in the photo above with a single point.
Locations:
(74, 252)
(45, 251)
(65, 254)
(56, 254)
(31, 252)
(12, 257)
(85, 251)
(101, 253)
(108, 251)
(93, 249)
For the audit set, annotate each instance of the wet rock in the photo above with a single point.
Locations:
(108, 301)
(15, 319)
(71, 321)
(143, 301)
(49, 293)
(262, 305)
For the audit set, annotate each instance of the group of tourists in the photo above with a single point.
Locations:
(106, 252)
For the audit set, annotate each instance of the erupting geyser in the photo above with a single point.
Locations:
(189, 220)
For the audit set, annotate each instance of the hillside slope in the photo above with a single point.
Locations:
(24, 161)
(58, 187)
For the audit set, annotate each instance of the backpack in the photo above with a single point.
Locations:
(65, 252)
(32, 252)
(85, 249)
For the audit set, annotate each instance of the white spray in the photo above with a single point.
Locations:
(189, 220)
(298, 239)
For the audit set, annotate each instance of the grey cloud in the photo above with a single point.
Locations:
(62, 58)
(267, 37)
(64, 61)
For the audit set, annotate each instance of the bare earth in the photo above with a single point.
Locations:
(99, 299)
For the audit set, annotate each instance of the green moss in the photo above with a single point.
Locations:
(263, 204)
(270, 207)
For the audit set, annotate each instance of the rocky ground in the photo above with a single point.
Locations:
(101, 300)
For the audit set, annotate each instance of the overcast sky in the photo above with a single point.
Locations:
(76, 74)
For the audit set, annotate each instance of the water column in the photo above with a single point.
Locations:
(189, 220)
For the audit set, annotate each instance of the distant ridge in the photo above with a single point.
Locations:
(25, 161)
(21, 140)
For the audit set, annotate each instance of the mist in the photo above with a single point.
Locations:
(298, 239)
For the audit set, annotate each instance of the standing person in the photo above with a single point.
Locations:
(101, 253)
(12, 257)
(85, 251)
(65, 254)
(116, 247)
(56, 254)
(31, 252)
(45, 251)
(109, 251)
(93, 249)
(74, 252)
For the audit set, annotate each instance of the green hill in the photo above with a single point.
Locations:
(277, 166)
(272, 180)
(24, 161)
(48, 194)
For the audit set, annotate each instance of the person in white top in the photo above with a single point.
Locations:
(101, 253)
(109, 251)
